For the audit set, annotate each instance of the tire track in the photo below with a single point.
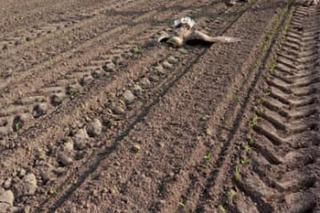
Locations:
(101, 97)
(44, 12)
(135, 113)
(118, 163)
(276, 171)
(24, 62)
(19, 10)
(23, 110)
(192, 183)
(69, 59)
(62, 24)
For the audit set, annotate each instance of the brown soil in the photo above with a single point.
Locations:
(108, 120)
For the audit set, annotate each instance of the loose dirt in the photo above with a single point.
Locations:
(97, 116)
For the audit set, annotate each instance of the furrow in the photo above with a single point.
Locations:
(146, 79)
(276, 169)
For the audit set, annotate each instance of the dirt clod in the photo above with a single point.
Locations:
(109, 67)
(142, 106)
(40, 109)
(27, 185)
(128, 97)
(136, 148)
(145, 82)
(68, 146)
(7, 183)
(6, 197)
(64, 159)
(118, 109)
(167, 65)
(183, 50)
(173, 60)
(57, 99)
(94, 128)
(137, 90)
(81, 135)
(22, 172)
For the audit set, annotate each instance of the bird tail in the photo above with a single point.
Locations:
(225, 39)
(217, 39)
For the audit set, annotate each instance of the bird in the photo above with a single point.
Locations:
(185, 33)
(187, 36)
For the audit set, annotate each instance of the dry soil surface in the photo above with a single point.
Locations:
(97, 116)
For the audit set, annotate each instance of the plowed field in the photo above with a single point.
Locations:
(97, 116)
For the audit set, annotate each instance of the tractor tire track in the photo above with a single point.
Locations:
(122, 196)
(43, 31)
(41, 99)
(56, 49)
(115, 84)
(97, 116)
(277, 170)
(39, 13)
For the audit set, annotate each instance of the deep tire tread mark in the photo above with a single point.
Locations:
(290, 109)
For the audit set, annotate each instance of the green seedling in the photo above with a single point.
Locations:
(254, 121)
(222, 209)
(273, 65)
(232, 195)
(182, 205)
(53, 191)
(247, 149)
(268, 93)
(260, 110)
(256, 64)
(208, 156)
(136, 50)
(260, 101)
(265, 47)
(73, 92)
(245, 161)
(237, 98)
(237, 174)
(18, 126)
(272, 71)
(251, 140)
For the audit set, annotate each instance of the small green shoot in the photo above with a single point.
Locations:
(74, 90)
(208, 156)
(236, 98)
(268, 93)
(254, 121)
(247, 149)
(251, 141)
(273, 66)
(265, 47)
(53, 191)
(231, 195)
(245, 161)
(222, 209)
(237, 174)
(260, 101)
(136, 50)
(182, 205)
(18, 126)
